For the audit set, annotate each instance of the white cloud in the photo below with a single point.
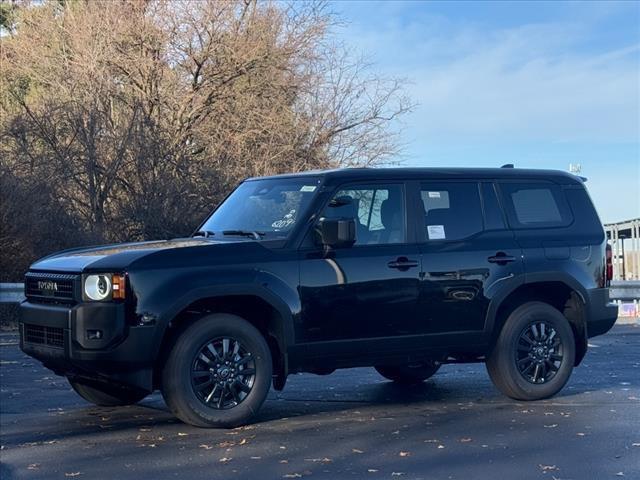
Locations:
(540, 95)
(527, 83)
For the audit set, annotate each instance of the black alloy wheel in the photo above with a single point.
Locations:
(539, 353)
(534, 354)
(218, 372)
(223, 373)
(409, 374)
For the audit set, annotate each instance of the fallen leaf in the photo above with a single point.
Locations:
(292, 475)
(397, 474)
(465, 440)
(372, 470)
(404, 454)
(553, 425)
(440, 446)
(356, 450)
(224, 460)
(72, 474)
(33, 466)
(206, 447)
(546, 468)
(182, 434)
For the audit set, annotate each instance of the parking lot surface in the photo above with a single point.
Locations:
(351, 424)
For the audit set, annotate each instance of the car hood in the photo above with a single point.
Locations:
(112, 257)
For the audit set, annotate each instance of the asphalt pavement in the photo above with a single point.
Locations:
(351, 424)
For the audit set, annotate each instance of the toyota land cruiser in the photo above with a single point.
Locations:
(400, 269)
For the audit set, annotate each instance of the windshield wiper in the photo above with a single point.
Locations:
(204, 233)
(245, 233)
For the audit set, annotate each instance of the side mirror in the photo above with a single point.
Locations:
(337, 232)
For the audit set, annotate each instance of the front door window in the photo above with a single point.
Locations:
(378, 210)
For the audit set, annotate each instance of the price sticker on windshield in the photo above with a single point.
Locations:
(308, 188)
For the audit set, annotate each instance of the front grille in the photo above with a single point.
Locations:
(50, 286)
(50, 336)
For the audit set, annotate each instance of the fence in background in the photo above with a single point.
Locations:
(11, 292)
(624, 238)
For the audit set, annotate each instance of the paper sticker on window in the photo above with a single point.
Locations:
(434, 194)
(436, 232)
(308, 188)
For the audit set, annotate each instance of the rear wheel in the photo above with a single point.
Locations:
(534, 355)
(218, 373)
(409, 374)
(106, 395)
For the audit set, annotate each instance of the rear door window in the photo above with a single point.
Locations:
(535, 205)
(452, 210)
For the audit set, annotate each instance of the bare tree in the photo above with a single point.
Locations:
(142, 114)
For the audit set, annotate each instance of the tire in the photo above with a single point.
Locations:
(409, 374)
(211, 390)
(533, 368)
(105, 395)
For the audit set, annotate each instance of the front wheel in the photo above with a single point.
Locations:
(218, 373)
(105, 395)
(534, 355)
(409, 374)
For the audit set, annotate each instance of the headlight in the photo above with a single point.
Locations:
(98, 287)
(105, 286)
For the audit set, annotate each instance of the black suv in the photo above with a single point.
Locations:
(400, 269)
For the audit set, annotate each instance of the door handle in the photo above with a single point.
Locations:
(501, 258)
(402, 263)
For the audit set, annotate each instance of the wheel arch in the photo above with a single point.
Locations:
(268, 313)
(565, 296)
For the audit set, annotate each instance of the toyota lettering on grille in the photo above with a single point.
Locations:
(47, 287)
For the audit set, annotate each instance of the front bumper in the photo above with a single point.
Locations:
(601, 313)
(63, 339)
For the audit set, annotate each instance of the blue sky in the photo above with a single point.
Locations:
(537, 84)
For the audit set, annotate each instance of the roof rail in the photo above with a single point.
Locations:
(507, 165)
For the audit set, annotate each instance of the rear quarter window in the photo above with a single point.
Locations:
(535, 205)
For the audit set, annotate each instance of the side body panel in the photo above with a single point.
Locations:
(248, 268)
(460, 277)
(574, 253)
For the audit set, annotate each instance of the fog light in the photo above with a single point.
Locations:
(94, 334)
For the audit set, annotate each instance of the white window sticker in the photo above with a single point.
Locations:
(308, 188)
(434, 194)
(288, 219)
(436, 232)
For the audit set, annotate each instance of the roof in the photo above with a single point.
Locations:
(351, 174)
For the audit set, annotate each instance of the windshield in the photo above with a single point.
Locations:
(266, 209)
